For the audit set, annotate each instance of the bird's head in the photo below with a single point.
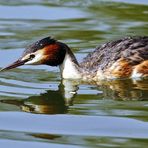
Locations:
(46, 51)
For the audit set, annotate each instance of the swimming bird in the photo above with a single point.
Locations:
(122, 58)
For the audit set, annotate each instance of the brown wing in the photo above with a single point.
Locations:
(132, 49)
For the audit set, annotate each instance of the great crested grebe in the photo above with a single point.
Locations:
(123, 58)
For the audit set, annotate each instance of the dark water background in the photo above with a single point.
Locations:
(37, 109)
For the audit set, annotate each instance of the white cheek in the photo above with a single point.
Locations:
(35, 61)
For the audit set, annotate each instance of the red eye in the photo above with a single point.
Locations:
(31, 56)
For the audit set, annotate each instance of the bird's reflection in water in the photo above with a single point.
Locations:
(125, 89)
(58, 101)
(50, 102)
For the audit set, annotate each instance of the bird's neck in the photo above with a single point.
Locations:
(69, 68)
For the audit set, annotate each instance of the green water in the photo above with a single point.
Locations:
(37, 109)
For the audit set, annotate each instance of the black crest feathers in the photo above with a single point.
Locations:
(39, 45)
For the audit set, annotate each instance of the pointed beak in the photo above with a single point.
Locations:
(14, 65)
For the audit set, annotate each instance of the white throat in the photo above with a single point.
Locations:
(69, 69)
